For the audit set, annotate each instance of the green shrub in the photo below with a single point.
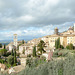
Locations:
(29, 55)
(2, 61)
(43, 58)
(0, 45)
(55, 53)
(3, 51)
(14, 64)
(34, 62)
(58, 67)
(7, 65)
(28, 61)
(10, 60)
(34, 51)
(62, 53)
(7, 54)
(59, 53)
(70, 46)
(67, 46)
(61, 46)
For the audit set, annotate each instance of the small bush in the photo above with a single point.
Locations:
(10, 60)
(55, 53)
(29, 55)
(3, 51)
(43, 58)
(14, 64)
(70, 46)
(7, 54)
(7, 65)
(62, 53)
(1, 61)
(34, 62)
(59, 53)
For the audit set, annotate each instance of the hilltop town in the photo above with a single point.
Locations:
(66, 38)
(43, 47)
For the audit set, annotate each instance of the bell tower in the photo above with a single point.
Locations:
(56, 31)
(15, 40)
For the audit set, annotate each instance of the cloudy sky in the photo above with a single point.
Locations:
(34, 18)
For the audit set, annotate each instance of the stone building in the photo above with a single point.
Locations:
(66, 37)
(14, 44)
(26, 48)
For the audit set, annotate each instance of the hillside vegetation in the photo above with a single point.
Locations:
(55, 67)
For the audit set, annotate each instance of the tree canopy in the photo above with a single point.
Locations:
(0, 45)
(34, 51)
(41, 46)
(3, 51)
(57, 44)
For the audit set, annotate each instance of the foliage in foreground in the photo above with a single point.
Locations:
(3, 51)
(41, 46)
(56, 67)
(70, 46)
(58, 45)
(62, 53)
(34, 62)
(34, 51)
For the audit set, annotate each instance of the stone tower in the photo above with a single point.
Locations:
(56, 31)
(15, 40)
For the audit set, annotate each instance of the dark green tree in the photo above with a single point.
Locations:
(23, 41)
(10, 60)
(67, 46)
(57, 44)
(0, 45)
(41, 46)
(4, 46)
(15, 59)
(3, 51)
(34, 51)
(70, 46)
(12, 52)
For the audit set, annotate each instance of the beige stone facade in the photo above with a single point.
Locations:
(65, 38)
(27, 48)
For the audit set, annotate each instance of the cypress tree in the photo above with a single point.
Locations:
(22, 41)
(34, 51)
(15, 59)
(12, 53)
(0, 45)
(4, 46)
(57, 43)
(71, 46)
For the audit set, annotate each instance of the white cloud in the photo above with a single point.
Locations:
(35, 18)
(27, 18)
